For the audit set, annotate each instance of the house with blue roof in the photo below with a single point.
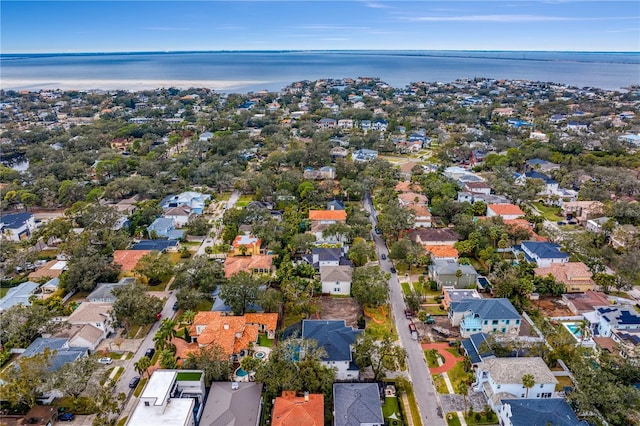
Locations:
(537, 412)
(630, 138)
(60, 351)
(363, 155)
(18, 295)
(551, 185)
(380, 125)
(542, 253)
(541, 165)
(485, 316)
(157, 245)
(337, 340)
(164, 227)
(17, 226)
(357, 404)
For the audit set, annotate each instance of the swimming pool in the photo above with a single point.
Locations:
(260, 355)
(574, 329)
(240, 372)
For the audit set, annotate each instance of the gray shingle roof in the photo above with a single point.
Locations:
(18, 295)
(333, 335)
(488, 309)
(542, 412)
(356, 403)
(511, 370)
(336, 273)
(63, 354)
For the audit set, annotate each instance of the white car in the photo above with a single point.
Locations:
(105, 361)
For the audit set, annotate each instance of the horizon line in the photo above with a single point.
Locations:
(312, 51)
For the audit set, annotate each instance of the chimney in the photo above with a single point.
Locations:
(306, 397)
(226, 326)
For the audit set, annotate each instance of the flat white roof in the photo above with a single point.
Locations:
(59, 265)
(159, 385)
(178, 412)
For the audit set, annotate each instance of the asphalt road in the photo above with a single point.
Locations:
(425, 393)
(212, 241)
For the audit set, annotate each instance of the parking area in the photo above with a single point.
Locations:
(340, 308)
(442, 323)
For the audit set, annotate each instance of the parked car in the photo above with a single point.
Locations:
(134, 382)
(105, 361)
(429, 320)
(407, 314)
(393, 270)
(383, 256)
(149, 353)
(175, 306)
(377, 231)
(66, 417)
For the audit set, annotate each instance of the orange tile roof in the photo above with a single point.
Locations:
(570, 274)
(440, 252)
(337, 215)
(235, 264)
(506, 209)
(292, 410)
(413, 198)
(420, 210)
(406, 186)
(231, 333)
(128, 259)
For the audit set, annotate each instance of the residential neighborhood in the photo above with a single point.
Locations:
(340, 252)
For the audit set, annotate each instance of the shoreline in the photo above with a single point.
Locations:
(130, 84)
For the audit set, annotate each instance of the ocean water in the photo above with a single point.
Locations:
(250, 71)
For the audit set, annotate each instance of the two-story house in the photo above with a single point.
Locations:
(501, 378)
(17, 226)
(245, 245)
(448, 272)
(164, 227)
(90, 324)
(357, 404)
(336, 280)
(619, 317)
(322, 219)
(543, 253)
(485, 315)
(576, 276)
(337, 340)
(505, 211)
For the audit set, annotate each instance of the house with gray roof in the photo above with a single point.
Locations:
(336, 279)
(537, 412)
(326, 256)
(448, 272)
(356, 404)
(501, 378)
(103, 292)
(18, 295)
(337, 340)
(164, 227)
(60, 351)
(232, 404)
(486, 316)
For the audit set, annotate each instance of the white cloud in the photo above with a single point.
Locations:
(501, 18)
(374, 5)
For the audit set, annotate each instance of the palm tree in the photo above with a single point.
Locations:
(142, 365)
(165, 334)
(528, 381)
(188, 316)
(458, 275)
(463, 390)
(167, 359)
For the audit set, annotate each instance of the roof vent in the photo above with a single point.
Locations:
(306, 397)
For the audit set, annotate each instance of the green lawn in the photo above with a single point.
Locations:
(439, 384)
(381, 330)
(562, 382)
(406, 289)
(457, 375)
(3, 291)
(140, 387)
(82, 405)
(435, 310)
(264, 341)
(389, 408)
(204, 305)
(453, 419)
(432, 356)
(482, 420)
(188, 376)
(244, 200)
(549, 213)
(413, 406)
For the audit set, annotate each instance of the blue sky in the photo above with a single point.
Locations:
(117, 26)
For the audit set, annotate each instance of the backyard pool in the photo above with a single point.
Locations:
(259, 355)
(241, 373)
(574, 329)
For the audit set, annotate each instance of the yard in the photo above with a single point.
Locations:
(379, 323)
(244, 200)
(344, 308)
(391, 411)
(550, 213)
(457, 375)
(435, 310)
(562, 382)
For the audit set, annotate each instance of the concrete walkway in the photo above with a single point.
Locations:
(450, 360)
(407, 410)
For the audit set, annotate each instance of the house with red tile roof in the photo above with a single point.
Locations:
(422, 216)
(328, 216)
(292, 410)
(231, 333)
(128, 259)
(576, 276)
(505, 211)
(442, 252)
(245, 245)
(407, 186)
(256, 264)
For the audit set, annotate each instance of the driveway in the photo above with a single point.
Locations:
(212, 241)
(424, 391)
(450, 360)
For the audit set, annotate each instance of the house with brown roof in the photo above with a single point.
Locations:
(434, 236)
(407, 186)
(583, 210)
(581, 303)
(128, 259)
(51, 269)
(576, 276)
(406, 169)
(90, 324)
(421, 216)
(232, 333)
(292, 410)
(505, 211)
(412, 199)
(256, 264)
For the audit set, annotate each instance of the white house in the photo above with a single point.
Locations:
(180, 215)
(609, 318)
(505, 211)
(17, 226)
(91, 323)
(336, 279)
(501, 378)
(338, 340)
(543, 253)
